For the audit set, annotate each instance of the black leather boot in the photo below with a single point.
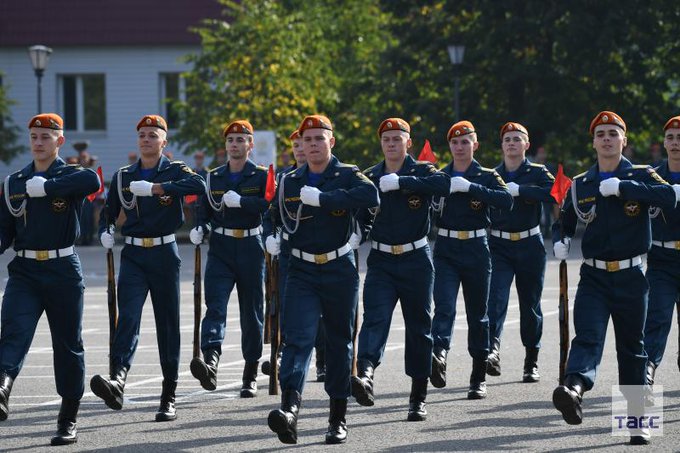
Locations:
(205, 370)
(110, 390)
(249, 386)
(283, 421)
(66, 423)
(567, 399)
(266, 367)
(320, 365)
(438, 372)
(493, 366)
(530, 366)
(362, 384)
(166, 411)
(337, 428)
(6, 382)
(416, 402)
(477, 389)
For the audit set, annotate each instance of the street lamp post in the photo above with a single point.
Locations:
(40, 55)
(456, 53)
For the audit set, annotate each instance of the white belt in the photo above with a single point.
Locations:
(516, 236)
(322, 258)
(238, 233)
(613, 266)
(667, 245)
(44, 255)
(400, 248)
(462, 234)
(150, 242)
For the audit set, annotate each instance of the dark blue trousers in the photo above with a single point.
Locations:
(524, 261)
(313, 290)
(239, 262)
(55, 287)
(467, 263)
(409, 278)
(600, 295)
(664, 293)
(144, 270)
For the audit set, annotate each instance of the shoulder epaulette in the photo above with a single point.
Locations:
(260, 167)
(641, 167)
(532, 164)
(487, 170)
(580, 175)
(370, 169)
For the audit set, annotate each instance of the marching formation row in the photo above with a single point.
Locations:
(296, 232)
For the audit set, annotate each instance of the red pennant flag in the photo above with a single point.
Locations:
(93, 195)
(270, 189)
(188, 199)
(560, 186)
(427, 154)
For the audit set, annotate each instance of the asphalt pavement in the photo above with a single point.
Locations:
(514, 416)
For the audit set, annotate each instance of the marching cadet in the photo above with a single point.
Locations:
(517, 249)
(461, 255)
(150, 192)
(39, 215)
(277, 245)
(316, 204)
(612, 199)
(399, 265)
(663, 260)
(232, 209)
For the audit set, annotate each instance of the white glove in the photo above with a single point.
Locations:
(355, 240)
(389, 182)
(310, 195)
(273, 245)
(561, 248)
(609, 187)
(196, 235)
(513, 188)
(231, 199)
(107, 240)
(676, 188)
(35, 187)
(141, 188)
(459, 184)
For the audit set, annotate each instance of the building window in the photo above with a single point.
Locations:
(83, 101)
(171, 90)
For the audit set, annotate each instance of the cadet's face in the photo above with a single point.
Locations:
(317, 144)
(609, 140)
(395, 144)
(151, 141)
(671, 141)
(238, 145)
(514, 144)
(45, 143)
(463, 147)
(298, 152)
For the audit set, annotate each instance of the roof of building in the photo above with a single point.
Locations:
(113, 23)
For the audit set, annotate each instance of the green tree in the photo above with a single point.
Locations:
(9, 132)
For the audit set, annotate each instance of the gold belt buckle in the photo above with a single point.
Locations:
(612, 266)
(239, 234)
(321, 259)
(42, 255)
(677, 245)
(147, 242)
(397, 249)
(463, 235)
(515, 236)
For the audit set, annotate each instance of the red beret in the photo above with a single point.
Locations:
(607, 117)
(294, 135)
(393, 124)
(153, 121)
(238, 127)
(460, 128)
(315, 122)
(673, 123)
(513, 127)
(48, 121)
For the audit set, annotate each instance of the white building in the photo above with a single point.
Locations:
(112, 63)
